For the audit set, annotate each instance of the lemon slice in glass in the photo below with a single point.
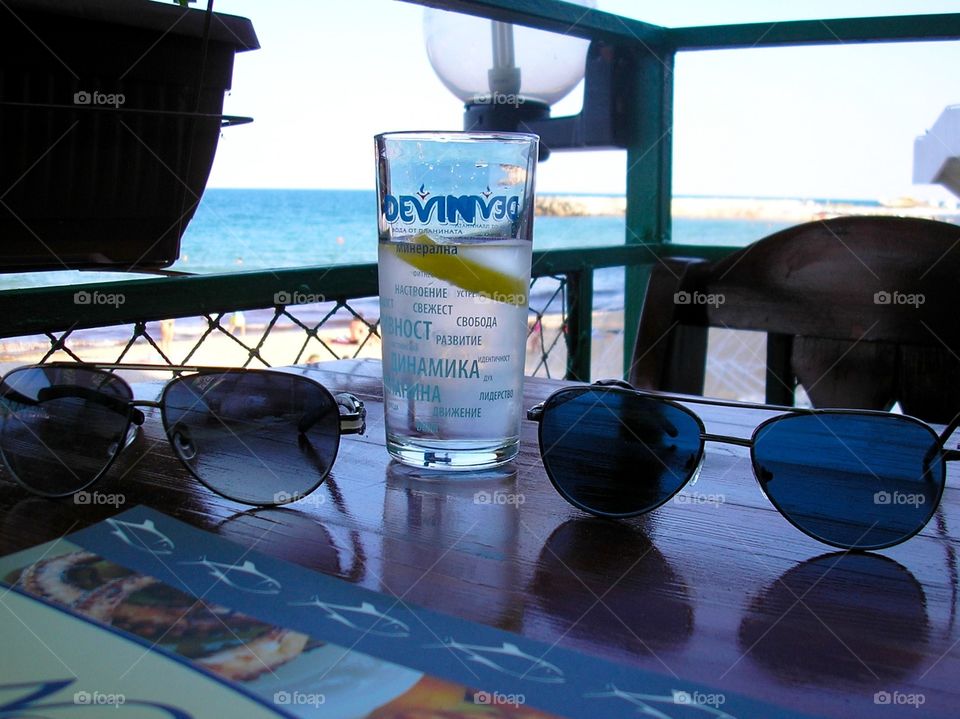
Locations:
(467, 274)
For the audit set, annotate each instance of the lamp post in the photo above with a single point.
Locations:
(509, 76)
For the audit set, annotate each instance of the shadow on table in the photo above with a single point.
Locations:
(603, 583)
(838, 618)
(295, 535)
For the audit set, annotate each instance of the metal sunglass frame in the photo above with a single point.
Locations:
(352, 416)
(536, 412)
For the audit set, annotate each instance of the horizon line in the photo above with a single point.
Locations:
(574, 193)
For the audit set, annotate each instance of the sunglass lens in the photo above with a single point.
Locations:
(61, 426)
(851, 480)
(255, 437)
(612, 452)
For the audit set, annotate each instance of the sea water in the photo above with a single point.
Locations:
(454, 324)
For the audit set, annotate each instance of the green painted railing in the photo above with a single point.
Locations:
(56, 313)
(648, 145)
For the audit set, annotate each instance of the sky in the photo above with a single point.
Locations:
(834, 121)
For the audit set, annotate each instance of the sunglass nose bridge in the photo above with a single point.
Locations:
(182, 443)
(613, 383)
(353, 414)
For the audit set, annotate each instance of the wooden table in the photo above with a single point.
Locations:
(715, 587)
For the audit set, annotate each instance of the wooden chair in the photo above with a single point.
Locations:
(861, 311)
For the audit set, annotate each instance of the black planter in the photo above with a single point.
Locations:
(110, 112)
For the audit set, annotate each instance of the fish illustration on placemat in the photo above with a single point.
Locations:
(506, 658)
(143, 536)
(245, 577)
(364, 617)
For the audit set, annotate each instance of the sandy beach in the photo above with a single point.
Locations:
(735, 366)
(289, 344)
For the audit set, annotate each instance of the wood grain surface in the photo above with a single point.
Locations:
(715, 587)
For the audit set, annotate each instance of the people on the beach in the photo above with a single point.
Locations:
(534, 334)
(357, 332)
(238, 323)
(166, 335)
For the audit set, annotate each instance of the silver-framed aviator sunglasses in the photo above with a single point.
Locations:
(256, 436)
(854, 479)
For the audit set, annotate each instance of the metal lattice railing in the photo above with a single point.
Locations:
(280, 336)
(269, 336)
(281, 317)
(544, 336)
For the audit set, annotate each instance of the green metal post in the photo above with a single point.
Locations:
(649, 190)
(579, 325)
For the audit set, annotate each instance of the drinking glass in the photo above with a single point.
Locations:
(455, 236)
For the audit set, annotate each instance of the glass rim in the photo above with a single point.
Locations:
(457, 136)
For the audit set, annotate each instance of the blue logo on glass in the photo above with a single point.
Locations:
(450, 209)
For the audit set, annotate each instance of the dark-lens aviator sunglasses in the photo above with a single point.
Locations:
(261, 437)
(854, 479)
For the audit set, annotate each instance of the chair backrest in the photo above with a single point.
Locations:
(862, 311)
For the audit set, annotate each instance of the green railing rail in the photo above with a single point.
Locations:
(54, 310)
(576, 20)
(648, 91)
